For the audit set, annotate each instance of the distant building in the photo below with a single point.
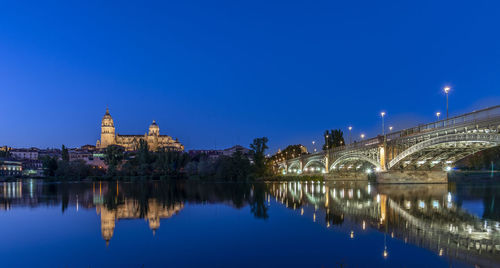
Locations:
(209, 153)
(76, 154)
(88, 147)
(217, 153)
(131, 142)
(234, 149)
(49, 153)
(10, 168)
(32, 168)
(31, 154)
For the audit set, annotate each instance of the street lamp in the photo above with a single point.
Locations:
(362, 136)
(350, 128)
(437, 115)
(327, 142)
(314, 147)
(383, 129)
(447, 90)
(390, 129)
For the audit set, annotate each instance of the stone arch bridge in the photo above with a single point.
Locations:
(434, 146)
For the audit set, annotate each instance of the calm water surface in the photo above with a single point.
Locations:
(293, 224)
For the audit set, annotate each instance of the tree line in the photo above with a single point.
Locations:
(163, 164)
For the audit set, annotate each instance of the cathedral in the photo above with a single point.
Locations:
(131, 142)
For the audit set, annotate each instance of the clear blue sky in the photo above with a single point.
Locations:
(217, 73)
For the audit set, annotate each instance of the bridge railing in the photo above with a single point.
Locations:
(361, 144)
(476, 116)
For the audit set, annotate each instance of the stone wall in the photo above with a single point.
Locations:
(412, 177)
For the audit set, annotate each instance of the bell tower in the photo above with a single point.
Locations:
(107, 130)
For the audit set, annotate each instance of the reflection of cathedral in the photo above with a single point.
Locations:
(131, 142)
(131, 210)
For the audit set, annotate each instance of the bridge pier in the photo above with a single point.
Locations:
(412, 177)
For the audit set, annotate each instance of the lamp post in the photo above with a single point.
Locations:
(362, 136)
(314, 147)
(447, 90)
(327, 142)
(390, 129)
(383, 129)
(350, 128)
(437, 115)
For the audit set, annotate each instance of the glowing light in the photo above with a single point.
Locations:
(446, 90)
(364, 225)
(421, 204)
(352, 234)
(448, 168)
(385, 253)
(368, 171)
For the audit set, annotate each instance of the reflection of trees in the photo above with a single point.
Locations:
(334, 218)
(486, 193)
(169, 193)
(258, 202)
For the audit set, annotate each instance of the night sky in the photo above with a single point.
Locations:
(219, 73)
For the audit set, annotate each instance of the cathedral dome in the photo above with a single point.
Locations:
(107, 120)
(154, 129)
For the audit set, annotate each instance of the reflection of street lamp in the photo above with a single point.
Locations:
(447, 90)
(437, 115)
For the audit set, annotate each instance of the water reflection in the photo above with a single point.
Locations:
(429, 216)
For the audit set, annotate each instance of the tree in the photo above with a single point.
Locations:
(113, 155)
(49, 165)
(144, 158)
(64, 153)
(333, 138)
(4, 154)
(259, 147)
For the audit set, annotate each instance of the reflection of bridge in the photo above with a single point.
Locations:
(434, 146)
(423, 215)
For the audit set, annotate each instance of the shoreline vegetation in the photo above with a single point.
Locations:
(253, 166)
(144, 164)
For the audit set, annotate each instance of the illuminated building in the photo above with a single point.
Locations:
(131, 142)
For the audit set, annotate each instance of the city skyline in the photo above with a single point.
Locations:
(223, 74)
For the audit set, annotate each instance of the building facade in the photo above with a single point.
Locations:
(30, 154)
(10, 168)
(131, 142)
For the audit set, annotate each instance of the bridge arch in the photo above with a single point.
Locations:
(355, 156)
(294, 166)
(488, 139)
(315, 162)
